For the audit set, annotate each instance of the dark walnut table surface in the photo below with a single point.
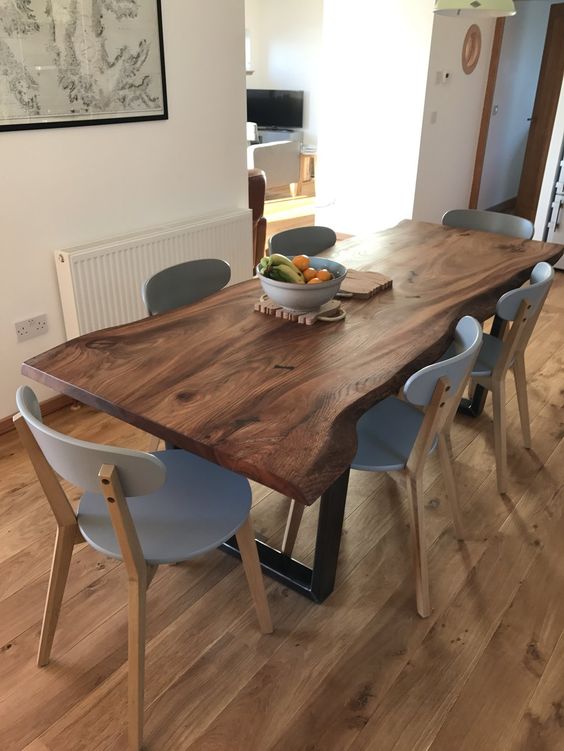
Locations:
(278, 401)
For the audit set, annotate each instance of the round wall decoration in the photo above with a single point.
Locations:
(471, 48)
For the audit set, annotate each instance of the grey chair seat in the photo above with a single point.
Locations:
(488, 356)
(386, 434)
(199, 506)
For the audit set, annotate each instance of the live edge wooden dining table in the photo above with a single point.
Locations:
(278, 401)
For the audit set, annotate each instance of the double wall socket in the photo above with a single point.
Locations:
(31, 327)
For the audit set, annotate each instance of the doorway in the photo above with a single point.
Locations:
(520, 105)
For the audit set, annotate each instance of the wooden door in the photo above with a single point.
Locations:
(544, 112)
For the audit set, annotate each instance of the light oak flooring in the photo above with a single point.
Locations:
(362, 671)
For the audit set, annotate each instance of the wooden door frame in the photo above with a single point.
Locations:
(486, 113)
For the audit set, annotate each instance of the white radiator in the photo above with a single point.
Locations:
(100, 283)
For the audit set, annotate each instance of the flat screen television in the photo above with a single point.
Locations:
(275, 108)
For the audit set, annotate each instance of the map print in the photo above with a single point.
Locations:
(66, 60)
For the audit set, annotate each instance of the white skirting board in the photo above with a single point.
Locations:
(100, 283)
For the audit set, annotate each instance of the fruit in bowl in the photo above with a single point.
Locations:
(300, 283)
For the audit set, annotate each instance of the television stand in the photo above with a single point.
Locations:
(273, 133)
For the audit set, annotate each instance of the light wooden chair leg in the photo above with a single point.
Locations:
(445, 456)
(294, 189)
(154, 444)
(136, 662)
(292, 526)
(64, 544)
(415, 495)
(500, 435)
(139, 576)
(522, 400)
(251, 564)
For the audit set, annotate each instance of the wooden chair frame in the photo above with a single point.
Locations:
(68, 535)
(512, 356)
(139, 572)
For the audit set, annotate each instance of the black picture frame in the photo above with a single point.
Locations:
(44, 122)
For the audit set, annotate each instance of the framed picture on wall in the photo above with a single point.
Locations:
(80, 62)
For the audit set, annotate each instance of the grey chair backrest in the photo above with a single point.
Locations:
(79, 461)
(522, 306)
(419, 388)
(184, 283)
(534, 292)
(490, 221)
(302, 240)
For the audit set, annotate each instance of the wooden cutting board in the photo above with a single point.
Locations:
(364, 283)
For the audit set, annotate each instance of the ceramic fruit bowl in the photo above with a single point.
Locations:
(305, 298)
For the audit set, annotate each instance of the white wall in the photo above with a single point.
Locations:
(448, 146)
(521, 54)
(67, 186)
(286, 40)
(375, 58)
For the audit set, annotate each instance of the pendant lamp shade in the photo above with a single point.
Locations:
(492, 8)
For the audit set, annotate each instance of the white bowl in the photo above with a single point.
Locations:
(303, 298)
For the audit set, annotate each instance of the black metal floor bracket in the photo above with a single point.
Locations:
(315, 583)
(275, 564)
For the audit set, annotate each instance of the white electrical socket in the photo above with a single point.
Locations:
(31, 327)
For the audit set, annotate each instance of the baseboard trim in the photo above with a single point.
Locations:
(48, 406)
(504, 206)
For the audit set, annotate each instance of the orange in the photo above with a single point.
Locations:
(309, 274)
(302, 262)
(315, 280)
(323, 275)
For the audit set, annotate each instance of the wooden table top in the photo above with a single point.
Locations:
(278, 401)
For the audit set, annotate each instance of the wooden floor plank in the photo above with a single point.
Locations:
(417, 704)
(542, 724)
(508, 672)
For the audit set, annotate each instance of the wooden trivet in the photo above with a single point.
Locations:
(330, 311)
(364, 284)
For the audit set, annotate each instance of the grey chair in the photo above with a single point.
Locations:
(522, 307)
(397, 436)
(143, 509)
(489, 221)
(302, 240)
(184, 283)
(179, 285)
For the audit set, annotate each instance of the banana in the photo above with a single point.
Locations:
(277, 259)
(289, 274)
(281, 269)
(273, 274)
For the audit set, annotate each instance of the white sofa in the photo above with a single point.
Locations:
(280, 161)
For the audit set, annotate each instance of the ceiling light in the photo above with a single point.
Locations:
(492, 8)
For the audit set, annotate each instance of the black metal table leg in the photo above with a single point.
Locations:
(316, 583)
(475, 406)
(328, 540)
